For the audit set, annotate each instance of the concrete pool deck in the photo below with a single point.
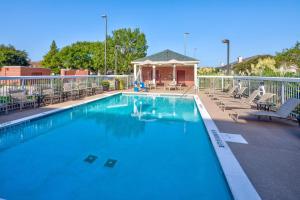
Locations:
(271, 159)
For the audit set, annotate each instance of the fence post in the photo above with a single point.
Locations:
(282, 92)
(249, 89)
(23, 84)
(127, 77)
(222, 83)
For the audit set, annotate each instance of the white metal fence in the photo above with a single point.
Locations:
(283, 88)
(15, 88)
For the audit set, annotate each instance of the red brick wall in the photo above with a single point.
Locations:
(73, 72)
(24, 71)
(165, 74)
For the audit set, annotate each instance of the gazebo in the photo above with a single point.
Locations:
(166, 66)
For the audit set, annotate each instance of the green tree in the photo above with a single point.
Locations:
(245, 67)
(77, 56)
(10, 56)
(51, 59)
(132, 44)
(264, 67)
(289, 57)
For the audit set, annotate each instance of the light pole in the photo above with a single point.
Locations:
(195, 51)
(227, 42)
(105, 44)
(116, 58)
(185, 41)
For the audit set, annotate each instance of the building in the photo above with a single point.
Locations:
(166, 66)
(24, 71)
(240, 59)
(74, 72)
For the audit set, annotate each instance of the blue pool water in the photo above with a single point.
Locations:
(160, 144)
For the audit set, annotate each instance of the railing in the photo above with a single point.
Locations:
(33, 85)
(283, 88)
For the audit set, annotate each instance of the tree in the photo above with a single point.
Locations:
(208, 71)
(264, 66)
(51, 59)
(289, 57)
(10, 56)
(77, 56)
(132, 44)
(245, 67)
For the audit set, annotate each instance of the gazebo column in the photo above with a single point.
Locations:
(141, 73)
(134, 72)
(153, 74)
(174, 73)
(195, 76)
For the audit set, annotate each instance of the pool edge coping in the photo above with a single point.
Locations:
(238, 182)
(43, 114)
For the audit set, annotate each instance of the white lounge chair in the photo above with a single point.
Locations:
(283, 111)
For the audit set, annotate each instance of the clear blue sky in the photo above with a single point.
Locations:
(253, 26)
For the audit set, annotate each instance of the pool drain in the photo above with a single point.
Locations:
(110, 163)
(90, 158)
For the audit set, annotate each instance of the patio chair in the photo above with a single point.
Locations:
(3, 108)
(283, 112)
(171, 85)
(20, 100)
(242, 103)
(151, 85)
(50, 96)
(96, 89)
(82, 89)
(67, 91)
(179, 86)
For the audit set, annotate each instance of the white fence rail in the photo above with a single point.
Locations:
(283, 87)
(15, 88)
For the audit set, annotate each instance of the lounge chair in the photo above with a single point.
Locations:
(283, 111)
(212, 91)
(264, 99)
(238, 94)
(242, 103)
(231, 92)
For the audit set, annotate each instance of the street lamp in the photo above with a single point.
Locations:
(185, 41)
(117, 47)
(195, 51)
(227, 42)
(105, 44)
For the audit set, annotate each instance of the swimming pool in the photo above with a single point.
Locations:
(158, 148)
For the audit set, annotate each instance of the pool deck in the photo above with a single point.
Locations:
(271, 159)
